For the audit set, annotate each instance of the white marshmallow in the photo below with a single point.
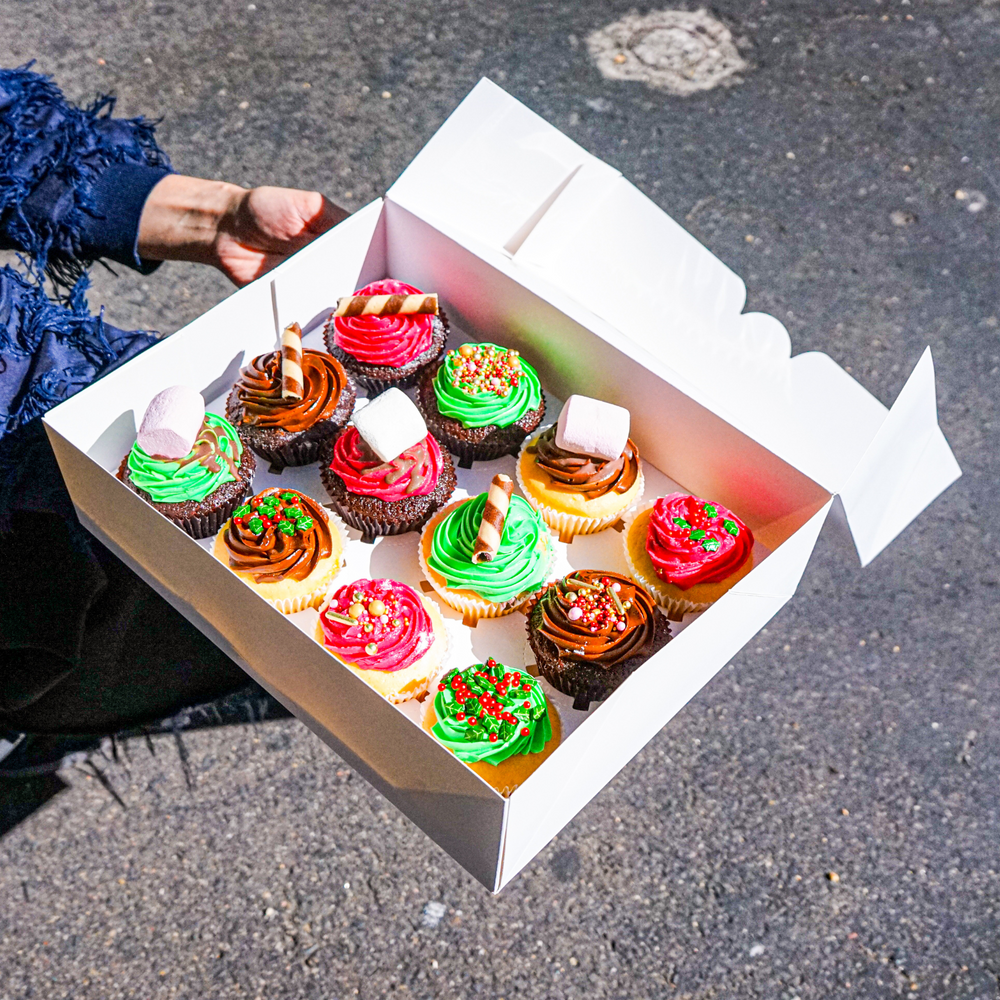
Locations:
(172, 422)
(592, 427)
(390, 424)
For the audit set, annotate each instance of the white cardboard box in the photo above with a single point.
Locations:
(532, 242)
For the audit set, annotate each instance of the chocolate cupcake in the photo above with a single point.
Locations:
(199, 490)
(590, 630)
(481, 402)
(385, 474)
(392, 347)
(291, 431)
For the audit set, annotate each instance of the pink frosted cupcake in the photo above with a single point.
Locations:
(387, 634)
(385, 351)
(385, 474)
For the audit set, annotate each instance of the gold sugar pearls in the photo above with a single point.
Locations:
(376, 608)
(356, 610)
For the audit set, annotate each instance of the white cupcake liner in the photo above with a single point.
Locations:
(568, 525)
(675, 608)
(473, 608)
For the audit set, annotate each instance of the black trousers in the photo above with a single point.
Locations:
(86, 647)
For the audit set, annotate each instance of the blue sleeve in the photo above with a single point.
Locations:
(50, 350)
(73, 180)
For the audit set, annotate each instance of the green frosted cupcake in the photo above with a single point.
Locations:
(481, 402)
(495, 719)
(520, 567)
(200, 491)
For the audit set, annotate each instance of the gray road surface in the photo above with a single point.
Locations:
(857, 735)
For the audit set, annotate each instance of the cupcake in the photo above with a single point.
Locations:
(288, 429)
(386, 633)
(284, 546)
(686, 551)
(393, 345)
(451, 548)
(590, 630)
(385, 474)
(582, 473)
(188, 464)
(481, 401)
(496, 720)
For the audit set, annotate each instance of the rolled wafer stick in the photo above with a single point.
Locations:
(387, 305)
(494, 514)
(291, 362)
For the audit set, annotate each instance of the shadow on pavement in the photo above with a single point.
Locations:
(20, 797)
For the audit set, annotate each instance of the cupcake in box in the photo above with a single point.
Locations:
(188, 464)
(386, 334)
(487, 555)
(284, 546)
(590, 630)
(481, 401)
(287, 403)
(582, 473)
(386, 633)
(687, 551)
(495, 719)
(385, 474)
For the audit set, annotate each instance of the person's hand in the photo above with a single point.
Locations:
(244, 233)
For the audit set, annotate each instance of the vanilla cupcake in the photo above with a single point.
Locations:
(284, 546)
(387, 634)
(519, 566)
(495, 719)
(582, 473)
(686, 551)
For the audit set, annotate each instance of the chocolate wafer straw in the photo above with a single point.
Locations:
(291, 362)
(494, 514)
(386, 305)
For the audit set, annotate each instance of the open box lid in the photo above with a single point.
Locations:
(505, 183)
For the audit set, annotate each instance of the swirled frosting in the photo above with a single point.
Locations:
(520, 565)
(377, 625)
(691, 540)
(484, 384)
(489, 713)
(259, 391)
(583, 474)
(385, 340)
(213, 461)
(414, 473)
(277, 535)
(597, 617)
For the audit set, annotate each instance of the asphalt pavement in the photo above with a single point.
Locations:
(821, 820)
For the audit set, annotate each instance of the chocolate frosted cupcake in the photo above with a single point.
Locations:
(199, 490)
(284, 546)
(495, 719)
(290, 431)
(481, 402)
(577, 494)
(393, 345)
(590, 630)
(385, 474)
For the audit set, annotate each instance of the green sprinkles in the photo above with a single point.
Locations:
(731, 526)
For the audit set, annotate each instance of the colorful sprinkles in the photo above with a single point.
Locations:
(274, 510)
(709, 512)
(485, 368)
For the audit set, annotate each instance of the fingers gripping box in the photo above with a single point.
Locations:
(532, 243)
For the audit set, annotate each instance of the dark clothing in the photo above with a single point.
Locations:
(85, 645)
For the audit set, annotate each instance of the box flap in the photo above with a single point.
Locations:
(491, 170)
(907, 464)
